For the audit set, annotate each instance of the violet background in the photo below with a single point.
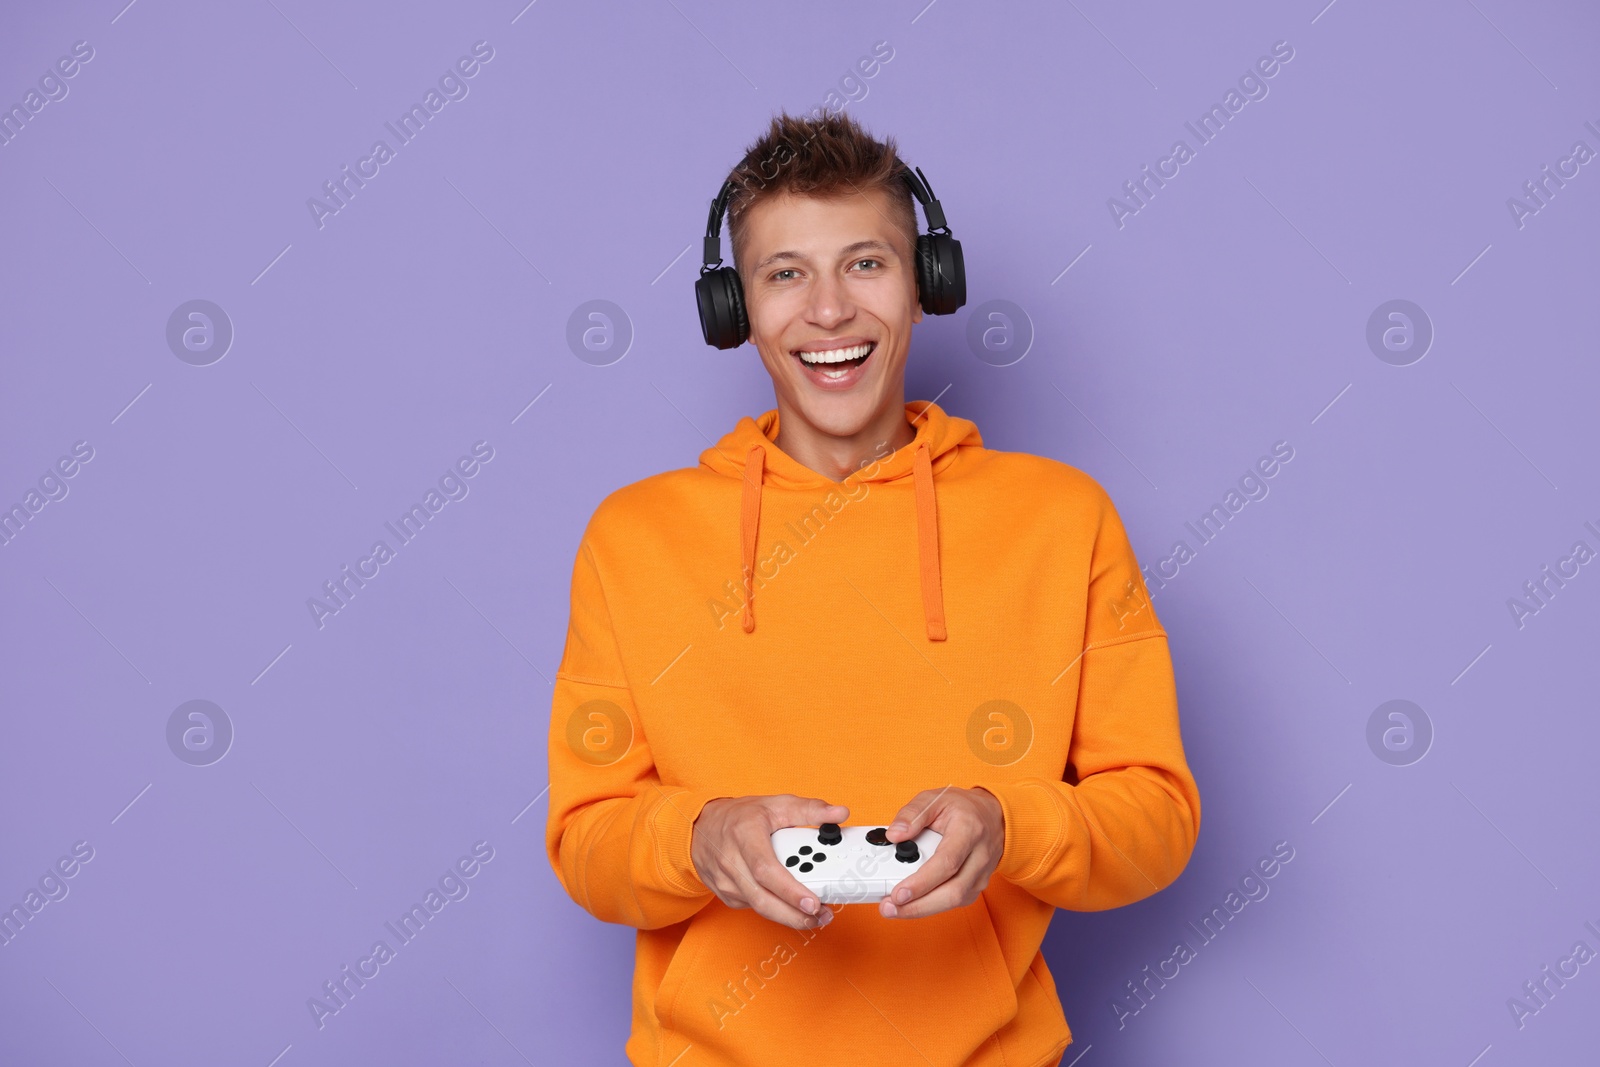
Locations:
(429, 313)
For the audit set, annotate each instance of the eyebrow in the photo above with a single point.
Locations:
(870, 244)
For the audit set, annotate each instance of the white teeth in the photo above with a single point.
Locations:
(837, 355)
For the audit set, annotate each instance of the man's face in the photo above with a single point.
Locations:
(827, 279)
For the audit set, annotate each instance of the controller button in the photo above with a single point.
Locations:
(828, 834)
(906, 852)
(878, 836)
(804, 867)
(818, 857)
(791, 861)
(805, 850)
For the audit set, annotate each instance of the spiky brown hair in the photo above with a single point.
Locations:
(825, 156)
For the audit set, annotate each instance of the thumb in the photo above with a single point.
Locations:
(917, 815)
(807, 811)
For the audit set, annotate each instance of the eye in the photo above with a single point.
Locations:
(777, 276)
(869, 259)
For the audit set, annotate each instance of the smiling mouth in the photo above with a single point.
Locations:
(838, 362)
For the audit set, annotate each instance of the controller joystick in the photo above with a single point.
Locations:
(906, 852)
(828, 834)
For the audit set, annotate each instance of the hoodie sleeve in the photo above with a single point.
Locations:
(1122, 821)
(617, 837)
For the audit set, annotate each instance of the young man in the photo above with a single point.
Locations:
(852, 612)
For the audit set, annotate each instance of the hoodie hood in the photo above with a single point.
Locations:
(747, 452)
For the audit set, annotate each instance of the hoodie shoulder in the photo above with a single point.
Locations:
(1048, 481)
(649, 501)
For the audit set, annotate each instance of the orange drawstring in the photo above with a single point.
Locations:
(928, 544)
(749, 520)
(927, 537)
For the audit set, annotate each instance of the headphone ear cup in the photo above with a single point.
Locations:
(720, 298)
(741, 321)
(941, 273)
(926, 273)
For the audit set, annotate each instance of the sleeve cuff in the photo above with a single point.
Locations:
(672, 826)
(1035, 832)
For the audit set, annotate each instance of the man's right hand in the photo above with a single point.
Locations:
(732, 851)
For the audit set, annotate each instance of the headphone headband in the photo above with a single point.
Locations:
(916, 181)
(713, 239)
(924, 194)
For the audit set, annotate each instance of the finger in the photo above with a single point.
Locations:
(958, 892)
(789, 810)
(771, 905)
(778, 880)
(912, 819)
(744, 889)
(774, 907)
(946, 861)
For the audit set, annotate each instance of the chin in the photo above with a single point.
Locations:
(842, 415)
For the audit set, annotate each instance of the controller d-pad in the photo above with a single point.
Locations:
(828, 834)
(878, 836)
(805, 867)
(906, 852)
(805, 850)
(791, 861)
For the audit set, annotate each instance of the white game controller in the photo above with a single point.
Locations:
(851, 864)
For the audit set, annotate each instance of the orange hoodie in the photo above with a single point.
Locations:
(948, 615)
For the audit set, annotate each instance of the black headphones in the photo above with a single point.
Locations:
(941, 269)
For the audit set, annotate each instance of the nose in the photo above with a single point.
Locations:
(830, 302)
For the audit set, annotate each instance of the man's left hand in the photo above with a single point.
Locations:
(973, 829)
